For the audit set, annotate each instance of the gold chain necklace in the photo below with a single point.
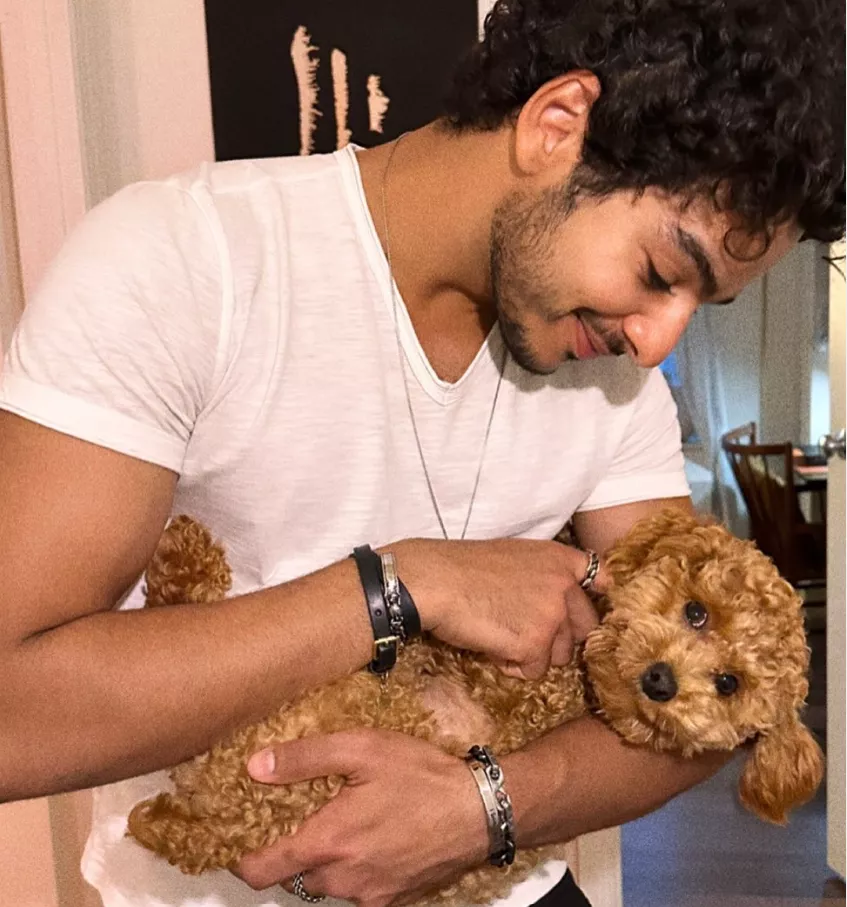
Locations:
(402, 360)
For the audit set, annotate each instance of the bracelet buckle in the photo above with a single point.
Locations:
(385, 642)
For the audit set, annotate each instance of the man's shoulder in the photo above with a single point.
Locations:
(243, 206)
(220, 178)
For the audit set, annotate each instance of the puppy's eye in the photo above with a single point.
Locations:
(726, 684)
(696, 614)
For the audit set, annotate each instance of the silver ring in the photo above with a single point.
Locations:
(300, 891)
(591, 570)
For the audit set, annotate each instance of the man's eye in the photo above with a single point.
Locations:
(655, 281)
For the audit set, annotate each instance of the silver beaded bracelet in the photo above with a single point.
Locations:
(498, 807)
(391, 583)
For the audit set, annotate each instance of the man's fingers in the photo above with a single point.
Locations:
(510, 669)
(309, 848)
(307, 758)
(578, 562)
(603, 581)
(311, 883)
(528, 670)
(582, 615)
(562, 651)
(533, 670)
(278, 862)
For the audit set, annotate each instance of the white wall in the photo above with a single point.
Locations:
(737, 331)
(788, 351)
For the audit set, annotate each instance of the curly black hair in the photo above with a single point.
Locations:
(740, 101)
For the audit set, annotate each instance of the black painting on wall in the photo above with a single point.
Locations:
(301, 76)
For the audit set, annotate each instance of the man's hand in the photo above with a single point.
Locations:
(518, 601)
(408, 819)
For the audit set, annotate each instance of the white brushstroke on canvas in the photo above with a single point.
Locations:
(341, 93)
(483, 8)
(305, 71)
(306, 61)
(377, 104)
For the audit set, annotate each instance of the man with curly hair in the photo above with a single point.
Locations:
(445, 346)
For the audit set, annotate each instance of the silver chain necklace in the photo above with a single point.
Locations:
(402, 359)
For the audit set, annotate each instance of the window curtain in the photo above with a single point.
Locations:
(703, 397)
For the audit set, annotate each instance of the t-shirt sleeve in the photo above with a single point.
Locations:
(648, 462)
(119, 345)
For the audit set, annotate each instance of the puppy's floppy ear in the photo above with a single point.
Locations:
(783, 771)
(633, 551)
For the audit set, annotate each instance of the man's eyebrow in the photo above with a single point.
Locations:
(693, 248)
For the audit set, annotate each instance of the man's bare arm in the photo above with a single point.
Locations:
(90, 695)
(582, 777)
(600, 529)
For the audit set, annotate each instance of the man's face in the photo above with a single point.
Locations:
(613, 276)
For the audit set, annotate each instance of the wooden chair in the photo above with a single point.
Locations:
(765, 475)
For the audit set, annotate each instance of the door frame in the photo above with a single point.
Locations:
(836, 598)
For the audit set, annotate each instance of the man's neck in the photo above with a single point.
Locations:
(441, 189)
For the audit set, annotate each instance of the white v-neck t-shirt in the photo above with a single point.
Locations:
(235, 324)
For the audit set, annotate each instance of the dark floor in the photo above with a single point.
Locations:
(704, 850)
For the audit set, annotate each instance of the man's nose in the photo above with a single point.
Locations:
(654, 333)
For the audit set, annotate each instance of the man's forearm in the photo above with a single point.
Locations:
(582, 777)
(117, 694)
(106, 695)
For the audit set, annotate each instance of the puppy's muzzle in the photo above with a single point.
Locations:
(658, 682)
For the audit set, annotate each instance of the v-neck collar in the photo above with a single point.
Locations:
(490, 350)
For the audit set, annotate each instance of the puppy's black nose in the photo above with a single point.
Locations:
(658, 682)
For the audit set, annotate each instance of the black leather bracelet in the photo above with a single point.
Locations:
(385, 640)
(411, 618)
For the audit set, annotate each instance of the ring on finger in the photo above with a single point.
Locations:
(591, 570)
(300, 891)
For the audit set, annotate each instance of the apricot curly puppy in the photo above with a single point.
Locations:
(701, 647)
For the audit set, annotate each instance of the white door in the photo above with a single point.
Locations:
(836, 598)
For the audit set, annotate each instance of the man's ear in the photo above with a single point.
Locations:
(551, 126)
(633, 551)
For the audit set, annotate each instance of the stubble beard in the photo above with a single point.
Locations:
(522, 233)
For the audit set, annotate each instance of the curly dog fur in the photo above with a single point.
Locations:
(753, 630)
